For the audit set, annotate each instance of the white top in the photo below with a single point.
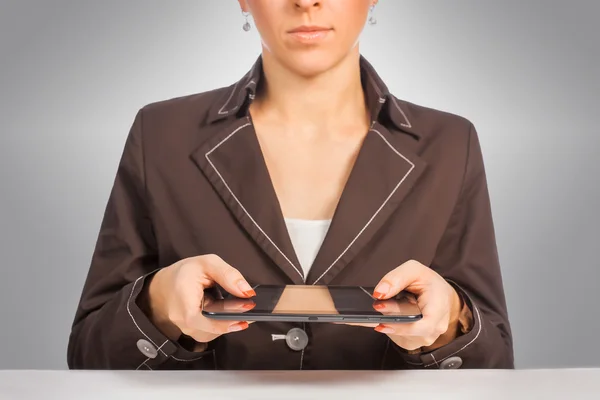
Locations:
(301, 385)
(307, 237)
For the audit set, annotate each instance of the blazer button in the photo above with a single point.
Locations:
(451, 363)
(147, 348)
(296, 339)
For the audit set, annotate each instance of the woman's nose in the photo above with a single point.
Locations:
(307, 4)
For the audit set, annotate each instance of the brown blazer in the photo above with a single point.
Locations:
(192, 181)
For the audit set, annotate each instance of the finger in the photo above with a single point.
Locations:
(410, 337)
(190, 298)
(227, 277)
(230, 305)
(195, 321)
(402, 305)
(397, 280)
(432, 324)
(388, 307)
(208, 334)
(363, 324)
(409, 329)
(226, 326)
(238, 326)
(235, 304)
(208, 299)
(366, 325)
(435, 311)
(209, 327)
(410, 298)
(238, 305)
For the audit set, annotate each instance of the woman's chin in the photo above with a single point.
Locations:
(311, 64)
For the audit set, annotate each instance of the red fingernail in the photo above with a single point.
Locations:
(238, 327)
(381, 290)
(248, 306)
(378, 306)
(383, 329)
(245, 288)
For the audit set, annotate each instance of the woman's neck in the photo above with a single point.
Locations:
(321, 102)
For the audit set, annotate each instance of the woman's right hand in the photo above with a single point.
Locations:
(175, 297)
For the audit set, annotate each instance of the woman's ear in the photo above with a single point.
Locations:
(243, 5)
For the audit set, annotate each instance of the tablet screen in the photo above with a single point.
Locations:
(313, 300)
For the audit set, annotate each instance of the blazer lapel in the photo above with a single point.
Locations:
(383, 175)
(233, 163)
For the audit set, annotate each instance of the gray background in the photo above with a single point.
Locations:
(73, 74)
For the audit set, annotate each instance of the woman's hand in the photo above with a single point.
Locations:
(439, 303)
(175, 296)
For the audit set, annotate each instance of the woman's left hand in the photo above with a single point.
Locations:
(440, 305)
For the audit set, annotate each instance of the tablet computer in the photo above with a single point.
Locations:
(311, 303)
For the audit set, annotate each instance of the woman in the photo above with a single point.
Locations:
(306, 171)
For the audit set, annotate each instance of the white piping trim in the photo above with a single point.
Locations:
(252, 96)
(434, 360)
(143, 363)
(161, 346)
(148, 359)
(165, 342)
(382, 100)
(239, 202)
(191, 359)
(377, 88)
(412, 166)
(134, 321)
(408, 124)
(221, 112)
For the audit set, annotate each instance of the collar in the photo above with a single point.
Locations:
(383, 106)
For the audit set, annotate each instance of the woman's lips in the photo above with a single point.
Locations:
(309, 34)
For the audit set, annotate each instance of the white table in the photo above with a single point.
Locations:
(305, 385)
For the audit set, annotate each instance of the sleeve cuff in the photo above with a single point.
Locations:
(154, 348)
(449, 355)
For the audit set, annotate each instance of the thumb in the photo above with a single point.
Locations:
(396, 280)
(229, 278)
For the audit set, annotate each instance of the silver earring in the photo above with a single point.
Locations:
(246, 27)
(372, 19)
